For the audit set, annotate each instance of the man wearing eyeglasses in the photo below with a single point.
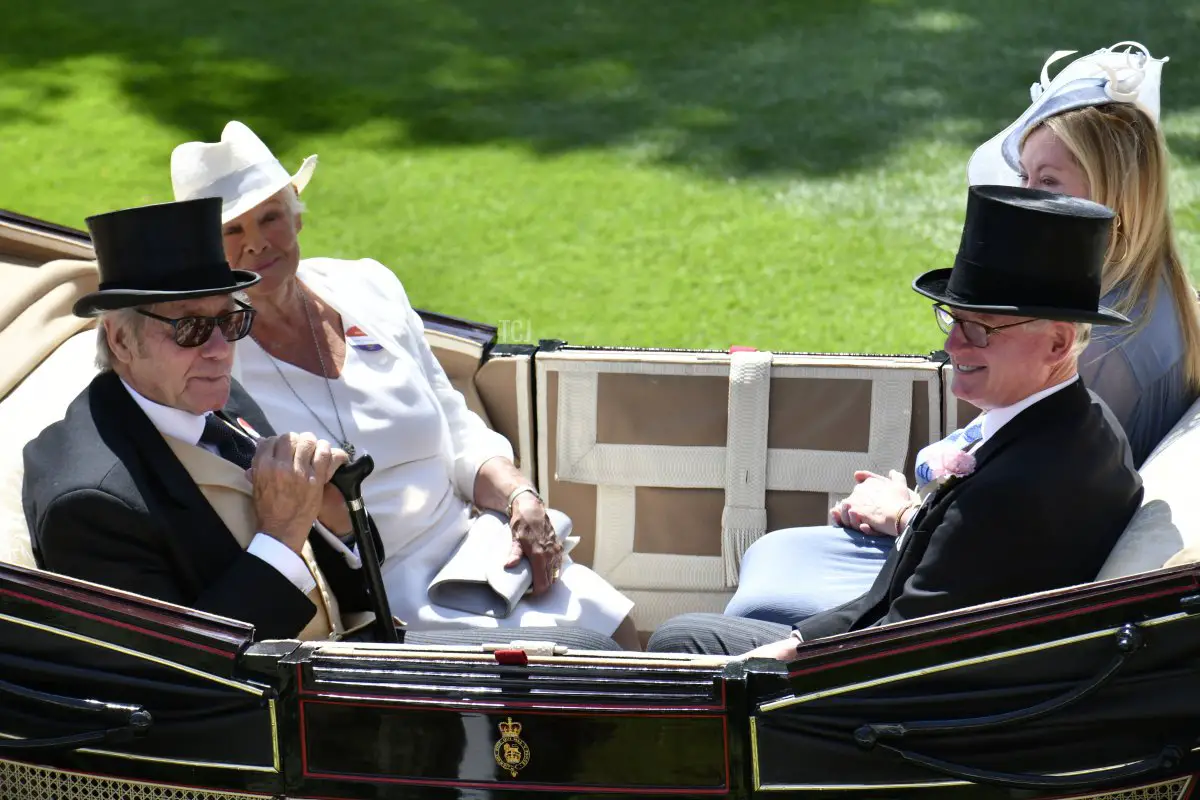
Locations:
(157, 481)
(1030, 496)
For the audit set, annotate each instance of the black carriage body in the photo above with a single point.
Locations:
(273, 719)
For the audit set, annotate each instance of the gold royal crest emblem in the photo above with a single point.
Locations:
(511, 752)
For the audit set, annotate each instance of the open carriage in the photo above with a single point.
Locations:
(1090, 691)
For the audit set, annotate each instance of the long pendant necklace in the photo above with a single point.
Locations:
(345, 441)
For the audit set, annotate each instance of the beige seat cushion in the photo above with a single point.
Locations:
(1169, 519)
(35, 313)
(42, 398)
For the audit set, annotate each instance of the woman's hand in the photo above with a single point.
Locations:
(533, 535)
(535, 539)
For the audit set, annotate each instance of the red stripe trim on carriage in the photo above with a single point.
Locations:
(118, 624)
(536, 787)
(638, 791)
(976, 634)
(115, 600)
(303, 734)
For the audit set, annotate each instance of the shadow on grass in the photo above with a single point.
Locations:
(815, 87)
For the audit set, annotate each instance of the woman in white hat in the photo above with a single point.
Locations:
(337, 349)
(1093, 133)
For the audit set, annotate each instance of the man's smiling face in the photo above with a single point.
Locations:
(1016, 363)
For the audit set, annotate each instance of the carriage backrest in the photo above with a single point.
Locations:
(49, 358)
(1169, 519)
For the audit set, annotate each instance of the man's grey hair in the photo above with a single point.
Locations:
(122, 319)
(1083, 335)
(131, 321)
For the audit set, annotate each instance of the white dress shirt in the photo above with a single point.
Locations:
(997, 418)
(991, 422)
(189, 427)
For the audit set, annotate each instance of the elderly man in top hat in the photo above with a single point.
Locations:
(1032, 494)
(158, 481)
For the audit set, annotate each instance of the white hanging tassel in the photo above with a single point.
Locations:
(744, 518)
(740, 528)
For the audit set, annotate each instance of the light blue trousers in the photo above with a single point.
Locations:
(790, 574)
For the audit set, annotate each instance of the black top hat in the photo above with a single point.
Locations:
(1028, 253)
(159, 253)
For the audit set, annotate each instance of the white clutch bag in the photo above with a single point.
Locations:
(475, 580)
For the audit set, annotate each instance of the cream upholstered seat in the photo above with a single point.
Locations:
(49, 356)
(42, 398)
(1169, 519)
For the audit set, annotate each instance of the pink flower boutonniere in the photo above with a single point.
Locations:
(952, 463)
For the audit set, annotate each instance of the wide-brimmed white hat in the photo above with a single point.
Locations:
(1123, 73)
(239, 169)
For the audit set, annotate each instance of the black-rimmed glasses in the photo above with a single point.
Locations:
(976, 333)
(194, 331)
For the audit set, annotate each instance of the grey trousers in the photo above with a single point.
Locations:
(715, 634)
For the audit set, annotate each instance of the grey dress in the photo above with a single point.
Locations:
(1140, 374)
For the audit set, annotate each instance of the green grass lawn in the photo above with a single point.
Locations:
(628, 172)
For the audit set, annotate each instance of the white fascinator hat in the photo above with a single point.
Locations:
(240, 169)
(1122, 73)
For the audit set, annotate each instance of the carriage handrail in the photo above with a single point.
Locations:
(133, 719)
(1129, 640)
(1169, 758)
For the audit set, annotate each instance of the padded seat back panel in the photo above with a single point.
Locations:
(636, 449)
(35, 313)
(1169, 518)
(49, 356)
(41, 399)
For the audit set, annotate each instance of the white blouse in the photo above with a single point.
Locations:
(387, 409)
(396, 403)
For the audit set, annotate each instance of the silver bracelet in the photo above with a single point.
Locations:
(520, 490)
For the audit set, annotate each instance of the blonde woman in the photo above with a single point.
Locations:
(1092, 133)
(1095, 135)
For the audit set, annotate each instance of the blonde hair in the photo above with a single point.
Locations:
(1124, 156)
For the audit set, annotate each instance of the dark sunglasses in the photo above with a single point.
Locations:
(194, 331)
(976, 333)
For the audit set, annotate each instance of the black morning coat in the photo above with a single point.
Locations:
(107, 501)
(1051, 493)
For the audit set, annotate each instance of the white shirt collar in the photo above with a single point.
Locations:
(173, 422)
(997, 418)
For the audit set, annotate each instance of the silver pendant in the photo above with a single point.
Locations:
(349, 448)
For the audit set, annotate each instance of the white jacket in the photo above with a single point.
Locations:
(373, 296)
